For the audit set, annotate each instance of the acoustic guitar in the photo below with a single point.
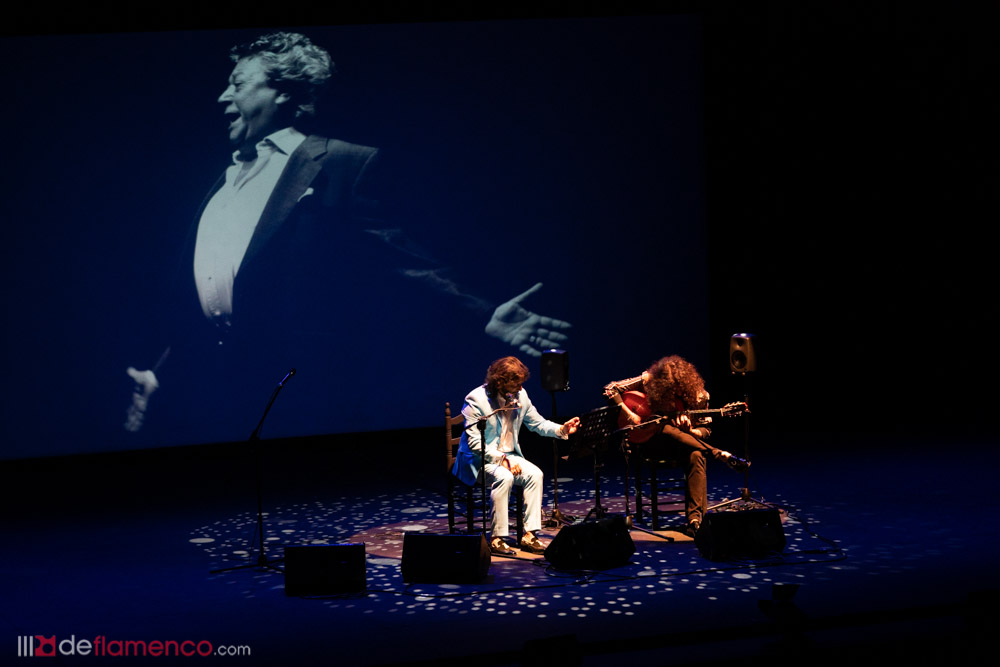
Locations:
(639, 404)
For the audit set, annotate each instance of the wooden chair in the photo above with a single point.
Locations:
(656, 464)
(459, 493)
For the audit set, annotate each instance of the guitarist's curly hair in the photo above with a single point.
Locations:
(674, 384)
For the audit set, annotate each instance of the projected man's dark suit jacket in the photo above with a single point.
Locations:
(316, 291)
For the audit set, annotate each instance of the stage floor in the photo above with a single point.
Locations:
(887, 553)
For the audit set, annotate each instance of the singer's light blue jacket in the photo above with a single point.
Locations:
(477, 404)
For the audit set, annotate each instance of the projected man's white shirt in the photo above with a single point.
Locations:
(230, 218)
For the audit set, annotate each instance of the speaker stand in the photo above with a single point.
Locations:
(746, 501)
(597, 511)
(556, 518)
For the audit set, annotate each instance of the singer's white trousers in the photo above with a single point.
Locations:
(502, 480)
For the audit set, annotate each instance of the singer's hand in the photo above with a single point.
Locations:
(528, 332)
(570, 427)
(145, 384)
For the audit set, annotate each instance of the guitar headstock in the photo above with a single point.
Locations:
(734, 409)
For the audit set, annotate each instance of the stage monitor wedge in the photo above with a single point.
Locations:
(325, 569)
(432, 558)
(735, 535)
(591, 545)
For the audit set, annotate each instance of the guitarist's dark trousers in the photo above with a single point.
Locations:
(689, 452)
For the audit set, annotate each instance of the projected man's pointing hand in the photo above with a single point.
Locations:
(527, 331)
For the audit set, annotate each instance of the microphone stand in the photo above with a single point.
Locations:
(262, 560)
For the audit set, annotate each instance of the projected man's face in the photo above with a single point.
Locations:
(252, 105)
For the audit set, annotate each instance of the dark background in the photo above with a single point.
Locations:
(847, 198)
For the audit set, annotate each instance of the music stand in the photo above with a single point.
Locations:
(593, 435)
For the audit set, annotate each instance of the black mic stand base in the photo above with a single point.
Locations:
(262, 562)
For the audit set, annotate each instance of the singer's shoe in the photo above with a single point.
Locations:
(532, 545)
(692, 528)
(499, 548)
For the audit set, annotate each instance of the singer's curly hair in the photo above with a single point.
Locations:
(505, 371)
(293, 64)
(674, 384)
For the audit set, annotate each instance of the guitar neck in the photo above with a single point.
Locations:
(719, 412)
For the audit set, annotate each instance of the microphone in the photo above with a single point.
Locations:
(285, 379)
(512, 401)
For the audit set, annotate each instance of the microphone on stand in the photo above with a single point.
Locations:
(512, 402)
(285, 379)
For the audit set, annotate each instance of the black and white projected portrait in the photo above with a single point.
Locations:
(380, 207)
(295, 260)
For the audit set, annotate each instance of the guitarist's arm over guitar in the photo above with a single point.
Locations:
(615, 392)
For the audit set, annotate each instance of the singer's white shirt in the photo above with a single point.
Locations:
(506, 445)
(230, 218)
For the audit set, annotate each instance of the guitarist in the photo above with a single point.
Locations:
(671, 386)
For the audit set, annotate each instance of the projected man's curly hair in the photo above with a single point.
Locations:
(674, 384)
(293, 64)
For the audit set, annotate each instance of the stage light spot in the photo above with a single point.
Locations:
(202, 540)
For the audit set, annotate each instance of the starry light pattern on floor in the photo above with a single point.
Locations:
(525, 585)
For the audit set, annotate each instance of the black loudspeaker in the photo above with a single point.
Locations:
(592, 545)
(555, 370)
(740, 534)
(325, 569)
(444, 559)
(742, 356)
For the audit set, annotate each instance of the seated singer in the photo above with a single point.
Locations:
(506, 405)
(670, 386)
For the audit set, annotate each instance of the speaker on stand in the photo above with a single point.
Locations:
(743, 354)
(555, 378)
